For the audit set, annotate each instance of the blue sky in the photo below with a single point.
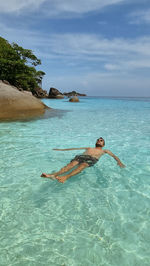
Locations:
(97, 47)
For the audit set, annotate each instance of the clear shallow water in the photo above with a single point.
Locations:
(99, 217)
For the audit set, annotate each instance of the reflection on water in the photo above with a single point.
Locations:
(25, 117)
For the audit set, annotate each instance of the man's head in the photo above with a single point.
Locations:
(100, 142)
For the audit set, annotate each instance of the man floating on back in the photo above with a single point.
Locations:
(82, 161)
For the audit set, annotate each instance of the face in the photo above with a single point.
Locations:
(100, 142)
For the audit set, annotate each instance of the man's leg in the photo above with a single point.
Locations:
(76, 171)
(62, 170)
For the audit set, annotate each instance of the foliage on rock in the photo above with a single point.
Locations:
(17, 66)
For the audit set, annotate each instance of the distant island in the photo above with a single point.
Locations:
(55, 93)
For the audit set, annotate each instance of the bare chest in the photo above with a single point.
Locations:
(94, 152)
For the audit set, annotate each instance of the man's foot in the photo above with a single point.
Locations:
(52, 176)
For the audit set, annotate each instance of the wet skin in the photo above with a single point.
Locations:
(95, 152)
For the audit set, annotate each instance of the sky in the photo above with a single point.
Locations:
(97, 47)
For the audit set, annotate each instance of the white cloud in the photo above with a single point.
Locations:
(89, 61)
(111, 67)
(116, 54)
(140, 16)
(106, 84)
(10, 6)
(55, 7)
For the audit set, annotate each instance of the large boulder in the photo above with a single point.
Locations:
(74, 99)
(15, 104)
(55, 94)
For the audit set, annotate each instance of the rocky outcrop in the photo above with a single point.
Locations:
(15, 104)
(40, 93)
(73, 93)
(55, 94)
(74, 99)
(37, 92)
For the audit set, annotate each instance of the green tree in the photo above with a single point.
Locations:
(17, 65)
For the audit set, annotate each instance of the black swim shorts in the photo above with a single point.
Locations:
(83, 158)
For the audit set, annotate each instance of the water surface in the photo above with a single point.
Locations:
(99, 217)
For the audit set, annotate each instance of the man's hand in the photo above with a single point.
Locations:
(121, 164)
(116, 158)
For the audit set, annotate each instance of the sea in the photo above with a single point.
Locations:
(99, 217)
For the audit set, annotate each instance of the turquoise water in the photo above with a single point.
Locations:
(99, 217)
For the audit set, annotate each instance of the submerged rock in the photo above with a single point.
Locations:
(15, 104)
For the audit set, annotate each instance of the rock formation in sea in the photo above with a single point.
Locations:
(74, 99)
(15, 104)
(55, 94)
(73, 93)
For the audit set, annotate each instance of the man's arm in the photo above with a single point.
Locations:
(115, 157)
(70, 149)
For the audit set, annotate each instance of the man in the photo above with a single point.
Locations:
(86, 159)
